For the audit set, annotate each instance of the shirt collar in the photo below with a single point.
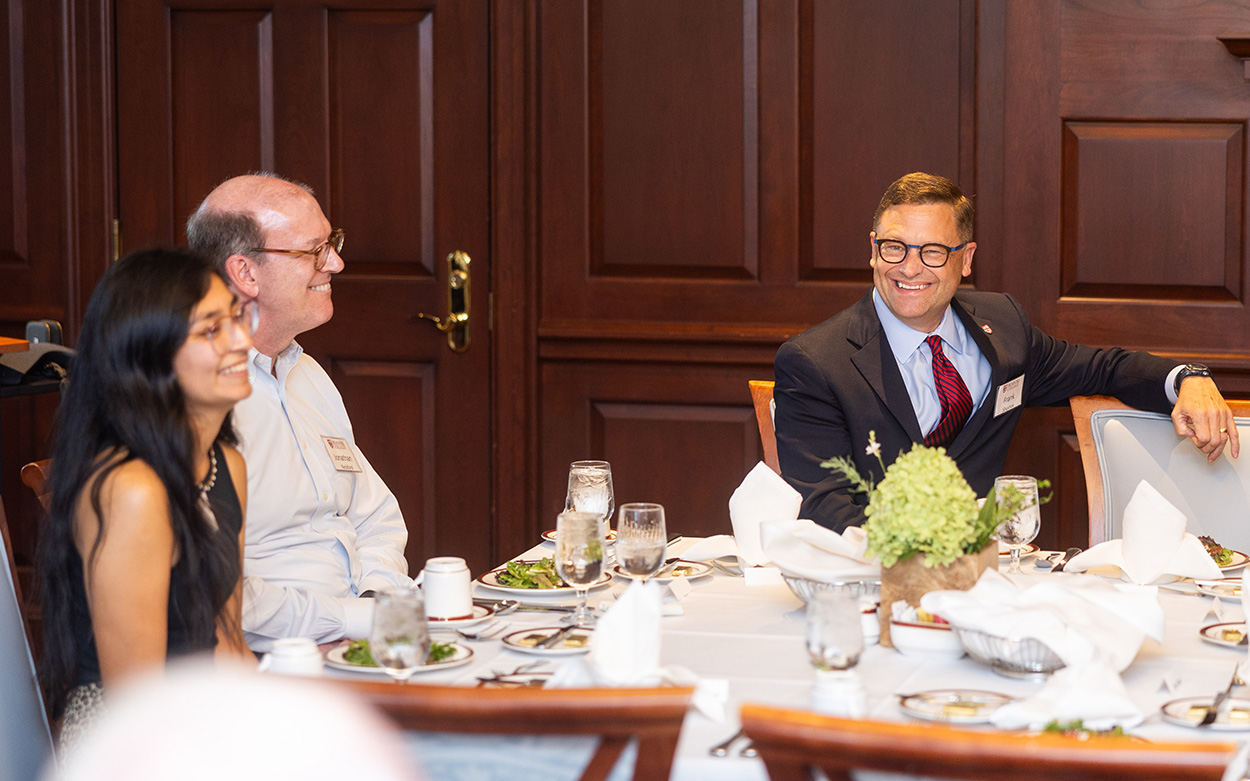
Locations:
(905, 340)
(263, 365)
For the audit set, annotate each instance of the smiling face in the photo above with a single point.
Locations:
(916, 294)
(213, 378)
(293, 295)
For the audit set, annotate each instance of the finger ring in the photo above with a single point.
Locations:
(1223, 431)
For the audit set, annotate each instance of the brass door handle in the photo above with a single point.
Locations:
(459, 285)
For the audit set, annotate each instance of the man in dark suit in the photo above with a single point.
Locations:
(917, 360)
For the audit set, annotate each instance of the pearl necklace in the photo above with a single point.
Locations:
(211, 480)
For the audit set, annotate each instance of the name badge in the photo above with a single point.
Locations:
(1010, 396)
(341, 454)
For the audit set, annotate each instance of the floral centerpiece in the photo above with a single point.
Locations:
(926, 524)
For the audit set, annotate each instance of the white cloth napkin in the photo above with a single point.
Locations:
(1155, 547)
(1081, 618)
(762, 496)
(718, 546)
(1091, 692)
(805, 549)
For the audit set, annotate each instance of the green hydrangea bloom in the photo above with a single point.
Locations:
(922, 505)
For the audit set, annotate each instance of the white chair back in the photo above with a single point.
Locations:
(25, 741)
(1133, 445)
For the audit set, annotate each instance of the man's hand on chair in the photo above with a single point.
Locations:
(1202, 415)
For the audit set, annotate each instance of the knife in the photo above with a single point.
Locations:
(508, 605)
(1063, 562)
(668, 565)
(1214, 711)
(555, 637)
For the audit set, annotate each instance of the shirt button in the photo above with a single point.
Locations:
(325, 496)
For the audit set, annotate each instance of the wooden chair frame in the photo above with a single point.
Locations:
(653, 716)
(793, 742)
(762, 397)
(35, 475)
(1082, 408)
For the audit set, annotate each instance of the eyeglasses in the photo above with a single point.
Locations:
(932, 255)
(319, 252)
(221, 332)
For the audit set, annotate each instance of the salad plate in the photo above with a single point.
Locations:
(1228, 634)
(954, 706)
(335, 658)
(526, 641)
(491, 581)
(550, 535)
(682, 569)
(1234, 715)
(480, 613)
(1239, 561)
(1225, 587)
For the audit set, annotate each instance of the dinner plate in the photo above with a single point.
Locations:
(1227, 634)
(516, 681)
(1234, 715)
(1225, 587)
(334, 658)
(526, 641)
(682, 569)
(1239, 561)
(954, 706)
(550, 535)
(491, 581)
(480, 613)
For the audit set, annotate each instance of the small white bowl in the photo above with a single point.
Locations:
(925, 639)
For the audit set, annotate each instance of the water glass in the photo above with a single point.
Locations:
(641, 539)
(400, 638)
(579, 557)
(590, 490)
(835, 631)
(1020, 529)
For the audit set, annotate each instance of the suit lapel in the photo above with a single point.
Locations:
(875, 363)
(989, 347)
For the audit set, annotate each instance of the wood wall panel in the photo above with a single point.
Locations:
(406, 464)
(1153, 210)
(381, 130)
(683, 436)
(225, 58)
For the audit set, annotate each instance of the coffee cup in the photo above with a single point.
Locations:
(445, 581)
(293, 656)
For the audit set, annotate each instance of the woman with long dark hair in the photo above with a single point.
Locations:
(140, 559)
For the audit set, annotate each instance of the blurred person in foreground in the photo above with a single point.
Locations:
(204, 723)
(140, 555)
(323, 529)
(917, 360)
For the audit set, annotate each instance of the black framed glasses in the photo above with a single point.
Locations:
(220, 333)
(319, 252)
(932, 255)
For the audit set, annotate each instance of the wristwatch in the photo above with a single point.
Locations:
(1190, 370)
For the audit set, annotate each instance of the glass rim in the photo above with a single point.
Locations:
(635, 506)
(577, 516)
(590, 464)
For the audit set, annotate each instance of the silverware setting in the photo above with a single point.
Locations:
(551, 640)
(488, 631)
(1063, 561)
(668, 565)
(732, 570)
(722, 749)
(505, 606)
(1213, 711)
(496, 675)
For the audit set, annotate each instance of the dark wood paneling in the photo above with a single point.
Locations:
(683, 436)
(1141, 217)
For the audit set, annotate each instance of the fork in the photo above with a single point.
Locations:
(493, 629)
(1213, 712)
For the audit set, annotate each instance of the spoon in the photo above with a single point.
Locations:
(1063, 562)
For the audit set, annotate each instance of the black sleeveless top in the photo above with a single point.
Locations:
(224, 501)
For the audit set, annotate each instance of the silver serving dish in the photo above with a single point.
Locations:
(805, 589)
(1027, 658)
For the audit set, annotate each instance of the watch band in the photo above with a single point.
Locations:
(1190, 370)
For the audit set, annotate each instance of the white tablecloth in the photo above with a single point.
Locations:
(752, 637)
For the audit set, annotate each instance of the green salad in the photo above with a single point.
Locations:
(530, 574)
(358, 653)
(1077, 729)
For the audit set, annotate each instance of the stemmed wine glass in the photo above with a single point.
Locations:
(400, 638)
(590, 490)
(641, 539)
(1020, 529)
(579, 557)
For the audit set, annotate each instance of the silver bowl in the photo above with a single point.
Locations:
(805, 589)
(1027, 658)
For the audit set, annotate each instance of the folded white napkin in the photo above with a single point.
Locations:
(718, 546)
(805, 549)
(1082, 619)
(1091, 692)
(762, 496)
(1155, 547)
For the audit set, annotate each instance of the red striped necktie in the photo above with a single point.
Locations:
(952, 392)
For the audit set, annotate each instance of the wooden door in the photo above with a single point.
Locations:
(382, 107)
